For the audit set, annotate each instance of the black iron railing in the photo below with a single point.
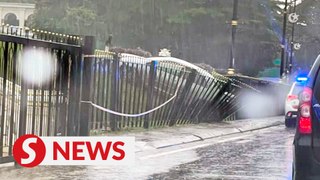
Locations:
(88, 90)
(41, 108)
(123, 87)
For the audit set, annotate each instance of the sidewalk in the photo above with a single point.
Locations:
(171, 136)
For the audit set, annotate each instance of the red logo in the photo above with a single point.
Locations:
(29, 150)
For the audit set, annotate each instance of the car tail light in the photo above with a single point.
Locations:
(305, 110)
(293, 101)
(292, 97)
(305, 126)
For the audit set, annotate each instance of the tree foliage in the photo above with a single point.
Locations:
(196, 30)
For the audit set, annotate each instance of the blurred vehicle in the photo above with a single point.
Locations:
(306, 152)
(292, 104)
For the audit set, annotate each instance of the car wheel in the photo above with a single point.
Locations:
(294, 123)
(287, 123)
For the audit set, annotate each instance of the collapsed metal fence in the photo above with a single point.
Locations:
(125, 86)
(102, 91)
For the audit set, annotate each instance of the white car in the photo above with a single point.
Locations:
(292, 104)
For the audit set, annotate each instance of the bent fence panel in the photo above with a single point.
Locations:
(85, 92)
(135, 92)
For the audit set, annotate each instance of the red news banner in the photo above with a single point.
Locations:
(30, 150)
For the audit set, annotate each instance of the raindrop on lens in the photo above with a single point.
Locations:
(37, 66)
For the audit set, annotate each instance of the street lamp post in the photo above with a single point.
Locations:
(234, 24)
(283, 43)
(292, 40)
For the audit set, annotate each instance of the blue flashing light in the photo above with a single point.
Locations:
(302, 79)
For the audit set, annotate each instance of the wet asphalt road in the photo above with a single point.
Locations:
(262, 154)
(265, 155)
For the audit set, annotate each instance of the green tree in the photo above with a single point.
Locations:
(195, 30)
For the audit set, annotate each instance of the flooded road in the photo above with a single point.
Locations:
(262, 154)
(265, 155)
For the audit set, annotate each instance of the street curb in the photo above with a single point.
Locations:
(201, 138)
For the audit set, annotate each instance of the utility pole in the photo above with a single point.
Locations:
(234, 24)
(283, 44)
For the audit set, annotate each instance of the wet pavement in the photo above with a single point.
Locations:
(265, 155)
(261, 154)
